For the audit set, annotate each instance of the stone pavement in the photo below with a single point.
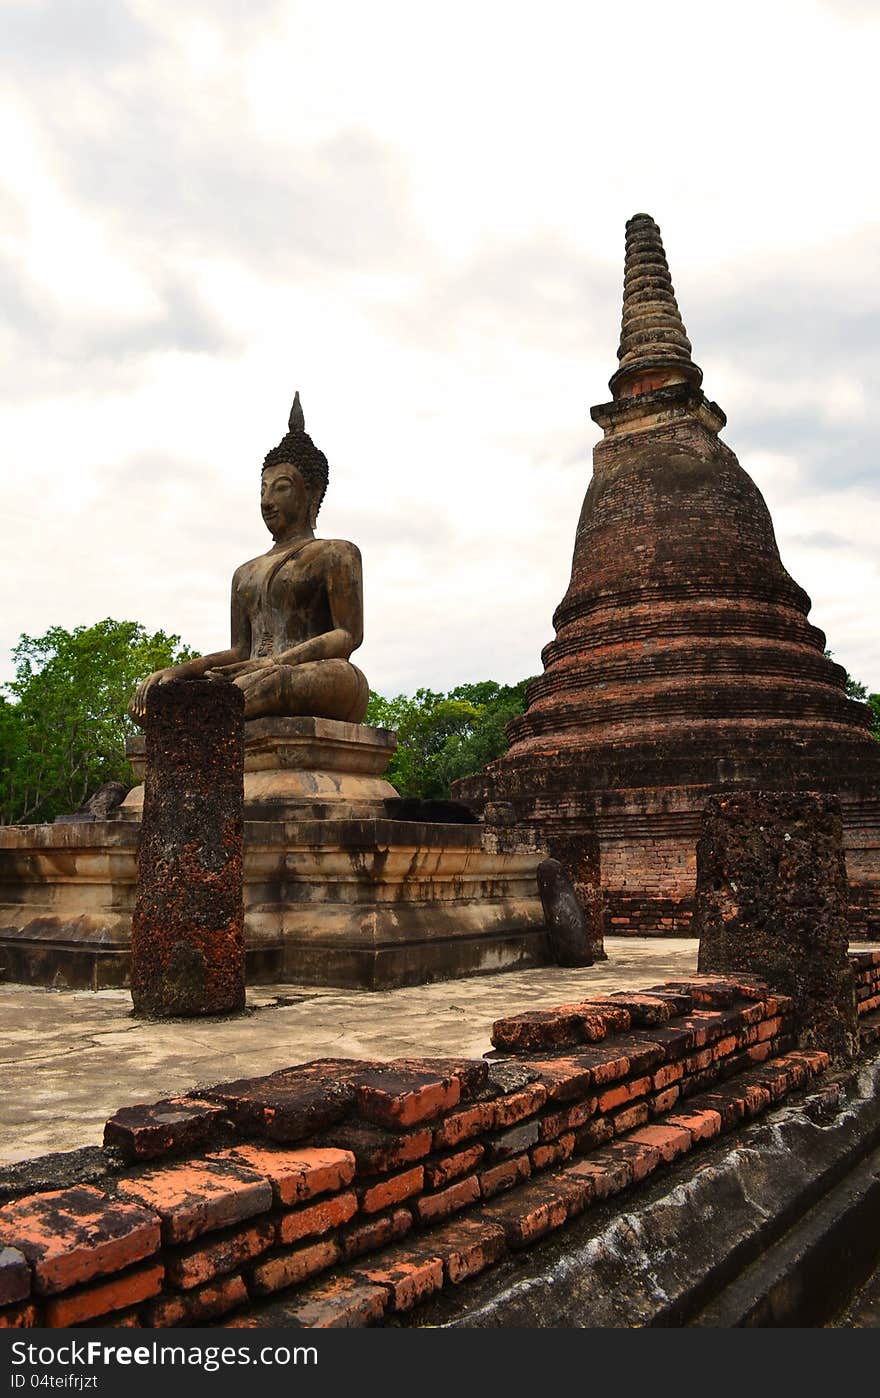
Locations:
(69, 1059)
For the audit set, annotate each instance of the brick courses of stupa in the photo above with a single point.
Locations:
(684, 662)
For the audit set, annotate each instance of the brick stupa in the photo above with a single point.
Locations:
(684, 663)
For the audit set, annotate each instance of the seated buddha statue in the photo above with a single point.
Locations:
(297, 611)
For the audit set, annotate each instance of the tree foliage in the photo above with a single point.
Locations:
(63, 723)
(441, 737)
(856, 690)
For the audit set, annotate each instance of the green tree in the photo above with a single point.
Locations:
(441, 737)
(63, 723)
(856, 690)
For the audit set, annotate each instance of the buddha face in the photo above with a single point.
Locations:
(285, 501)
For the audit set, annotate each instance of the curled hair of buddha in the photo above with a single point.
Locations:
(298, 449)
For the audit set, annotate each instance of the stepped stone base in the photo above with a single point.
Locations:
(335, 891)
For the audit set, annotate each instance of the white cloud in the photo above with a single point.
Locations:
(416, 216)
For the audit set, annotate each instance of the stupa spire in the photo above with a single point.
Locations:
(296, 422)
(654, 347)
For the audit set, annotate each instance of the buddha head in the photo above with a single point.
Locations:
(294, 478)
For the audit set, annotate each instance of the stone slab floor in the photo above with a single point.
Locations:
(69, 1059)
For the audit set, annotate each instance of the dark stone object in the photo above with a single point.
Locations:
(772, 901)
(575, 939)
(15, 1276)
(100, 805)
(187, 935)
(170, 1127)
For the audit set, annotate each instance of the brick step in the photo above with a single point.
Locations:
(396, 1279)
(869, 1028)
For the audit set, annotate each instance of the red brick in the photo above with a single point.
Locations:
(468, 1246)
(642, 1157)
(504, 1176)
(409, 1275)
(623, 1092)
(345, 1303)
(378, 1151)
(759, 1053)
(768, 1028)
(575, 1190)
(464, 1125)
(644, 1010)
(614, 1018)
(195, 1307)
(393, 1190)
(516, 1139)
(472, 1073)
(198, 1196)
(173, 1124)
(669, 1073)
(566, 1078)
(70, 1236)
(696, 1062)
(723, 1047)
(594, 1133)
(289, 1268)
(527, 1214)
(15, 1276)
(115, 1294)
(636, 1115)
(397, 1099)
(123, 1320)
(290, 1105)
(569, 1118)
(671, 1141)
(25, 1317)
(605, 1176)
(201, 1262)
(519, 1105)
(441, 1172)
(295, 1175)
(457, 1196)
(662, 1101)
(554, 1153)
(317, 1219)
(375, 1233)
(536, 1029)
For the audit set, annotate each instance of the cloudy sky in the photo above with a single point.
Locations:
(415, 214)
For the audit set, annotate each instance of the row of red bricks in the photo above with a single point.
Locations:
(547, 1110)
(866, 971)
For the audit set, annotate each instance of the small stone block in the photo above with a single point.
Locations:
(399, 1099)
(519, 1105)
(286, 1106)
(378, 1151)
(644, 1010)
(464, 1125)
(536, 1029)
(439, 1173)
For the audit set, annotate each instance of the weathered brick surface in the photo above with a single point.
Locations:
(199, 1196)
(15, 1276)
(451, 1167)
(430, 1207)
(469, 1246)
(171, 1126)
(344, 1303)
(210, 1257)
(295, 1175)
(195, 1307)
(375, 1233)
(89, 1302)
(317, 1219)
(464, 1125)
(284, 1106)
(70, 1236)
(504, 1176)
(393, 1190)
(407, 1273)
(295, 1266)
(378, 1151)
(526, 1214)
(519, 1105)
(404, 1098)
(22, 1317)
